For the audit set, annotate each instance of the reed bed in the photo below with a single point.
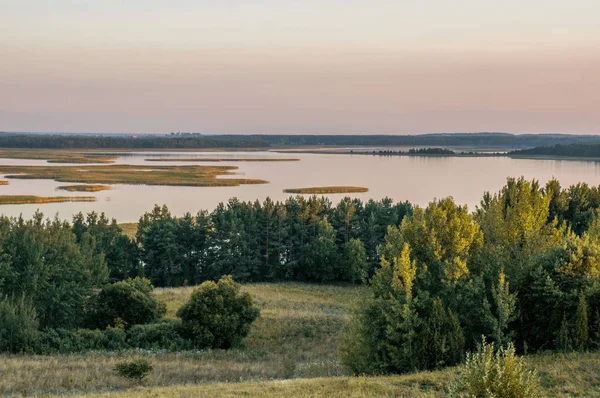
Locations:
(84, 188)
(220, 160)
(29, 199)
(201, 176)
(326, 190)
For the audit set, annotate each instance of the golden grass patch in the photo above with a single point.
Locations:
(326, 190)
(84, 188)
(201, 176)
(29, 199)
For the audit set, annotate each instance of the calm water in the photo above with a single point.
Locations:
(416, 179)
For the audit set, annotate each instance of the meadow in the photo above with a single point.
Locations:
(296, 336)
(290, 351)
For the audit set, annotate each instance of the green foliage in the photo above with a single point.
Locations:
(491, 373)
(165, 335)
(441, 341)
(516, 226)
(136, 369)
(120, 253)
(217, 314)
(299, 239)
(581, 331)
(42, 261)
(129, 302)
(18, 325)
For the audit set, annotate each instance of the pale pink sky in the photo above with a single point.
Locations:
(328, 66)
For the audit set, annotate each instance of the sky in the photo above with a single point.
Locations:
(300, 67)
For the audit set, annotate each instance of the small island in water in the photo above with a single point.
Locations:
(327, 190)
(28, 199)
(84, 188)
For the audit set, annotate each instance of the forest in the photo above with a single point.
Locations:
(490, 140)
(197, 141)
(566, 150)
(522, 268)
(64, 141)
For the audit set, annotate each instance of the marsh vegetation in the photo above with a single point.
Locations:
(326, 190)
(57, 156)
(175, 159)
(203, 176)
(28, 199)
(84, 188)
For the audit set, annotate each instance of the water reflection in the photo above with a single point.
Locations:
(416, 179)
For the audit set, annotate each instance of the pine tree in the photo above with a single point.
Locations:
(563, 338)
(581, 332)
(505, 309)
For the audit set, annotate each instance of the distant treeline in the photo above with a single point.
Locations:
(571, 150)
(417, 151)
(36, 141)
(459, 139)
(176, 141)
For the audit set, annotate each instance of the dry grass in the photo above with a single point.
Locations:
(56, 156)
(326, 190)
(3, 182)
(84, 188)
(295, 337)
(129, 174)
(174, 159)
(129, 229)
(28, 199)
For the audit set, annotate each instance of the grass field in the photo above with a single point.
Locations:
(129, 174)
(326, 190)
(28, 199)
(84, 188)
(290, 351)
(296, 336)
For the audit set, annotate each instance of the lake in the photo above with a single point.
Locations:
(416, 179)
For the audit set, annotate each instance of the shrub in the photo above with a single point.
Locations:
(66, 341)
(18, 325)
(129, 302)
(217, 314)
(164, 335)
(136, 369)
(498, 374)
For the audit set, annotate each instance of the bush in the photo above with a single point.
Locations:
(66, 341)
(18, 325)
(166, 335)
(129, 302)
(217, 314)
(136, 369)
(498, 374)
